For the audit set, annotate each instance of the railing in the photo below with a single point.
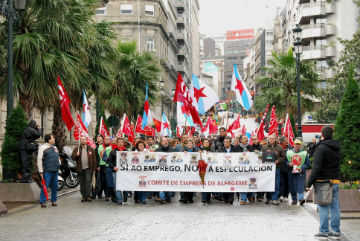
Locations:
(315, 25)
(316, 47)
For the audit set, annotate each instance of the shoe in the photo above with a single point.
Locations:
(125, 199)
(191, 201)
(143, 202)
(185, 202)
(286, 199)
(88, 200)
(281, 199)
(43, 205)
(181, 200)
(83, 200)
(251, 199)
(100, 197)
(334, 236)
(275, 202)
(209, 202)
(323, 236)
(168, 201)
(294, 203)
(107, 199)
(203, 202)
(302, 201)
(242, 203)
(137, 201)
(226, 201)
(160, 200)
(119, 203)
(267, 201)
(231, 202)
(260, 199)
(53, 204)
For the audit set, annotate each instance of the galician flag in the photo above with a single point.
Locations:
(86, 111)
(205, 96)
(147, 117)
(288, 132)
(165, 126)
(242, 93)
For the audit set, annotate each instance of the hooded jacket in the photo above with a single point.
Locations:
(162, 148)
(326, 164)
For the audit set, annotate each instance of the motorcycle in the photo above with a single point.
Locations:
(68, 171)
(61, 181)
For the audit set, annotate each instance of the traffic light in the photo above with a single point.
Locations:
(252, 93)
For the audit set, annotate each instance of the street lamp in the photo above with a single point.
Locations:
(298, 51)
(162, 86)
(9, 10)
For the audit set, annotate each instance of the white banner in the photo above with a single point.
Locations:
(179, 172)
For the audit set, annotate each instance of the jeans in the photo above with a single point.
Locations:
(85, 183)
(102, 181)
(284, 184)
(118, 194)
(166, 196)
(297, 184)
(334, 208)
(275, 195)
(51, 179)
(205, 197)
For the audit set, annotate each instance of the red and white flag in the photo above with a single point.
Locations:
(273, 127)
(243, 131)
(260, 132)
(103, 130)
(127, 130)
(288, 132)
(213, 127)
(80, 130)
(178, 132)
(64, 104)
(235, 125)
(251, 140)
(157, 125)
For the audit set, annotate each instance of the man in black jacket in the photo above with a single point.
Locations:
(326, 167)
(164, 147)
(219, 142)
(27, 147)
(228, 148)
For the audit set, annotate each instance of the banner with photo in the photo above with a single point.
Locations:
(183, 172)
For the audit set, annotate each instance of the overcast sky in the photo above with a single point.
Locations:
(218, 16)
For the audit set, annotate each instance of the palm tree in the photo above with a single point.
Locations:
(134, 70)
(58, 38)
(278, 85)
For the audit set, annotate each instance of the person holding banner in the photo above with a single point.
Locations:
(140, 196)
(100, 169)
(228, 148)
(206, 196)
(273, 152)
(104, 153)
(112, 165)
(164, 197)
(298, 161)
(188, 196)
(244, 147)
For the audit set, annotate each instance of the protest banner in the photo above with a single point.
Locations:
(179, 172)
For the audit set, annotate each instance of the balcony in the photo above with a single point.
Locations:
(330, 51)
(180, 5)
(180, 22)
(182, 52)
(313, 31)
(330, 8)
(314, 52)
(181, 35)
(330, 29)
(181, 67)
(312, 9)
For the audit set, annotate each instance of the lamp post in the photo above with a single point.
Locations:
(9, 10)
(298, 51)
(162, 86)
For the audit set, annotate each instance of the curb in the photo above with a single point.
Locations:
(32, 205)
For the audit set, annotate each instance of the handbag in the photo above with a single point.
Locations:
(323, 193)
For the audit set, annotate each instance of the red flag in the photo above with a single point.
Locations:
(260, 133)
(157, 124)
(206, 126)
(273, 128)
(80, 130)
(243, 131)
(288, 132)
(190, 130)
(235, 125)
(139, 125)
(64, 104)
(149, 131)
(103, 130)
(178, 132)
(213, 127)
(126, 129)
(251, 140)
(44, 189)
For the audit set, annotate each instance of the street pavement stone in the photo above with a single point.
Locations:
(100, 220)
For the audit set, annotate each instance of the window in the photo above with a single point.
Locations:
(100, 11)
(126, 8)
(150, 44)
(149, 10)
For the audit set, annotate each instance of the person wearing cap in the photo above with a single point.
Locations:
(298, 161)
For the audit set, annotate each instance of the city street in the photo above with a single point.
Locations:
(100, 220)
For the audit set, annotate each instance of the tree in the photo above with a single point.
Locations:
(347, 129)
(278, 85)
(134, 70)
(10, 158)
(59, 38)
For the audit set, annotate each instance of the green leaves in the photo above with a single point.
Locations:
(347, 129)
(278, 84)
